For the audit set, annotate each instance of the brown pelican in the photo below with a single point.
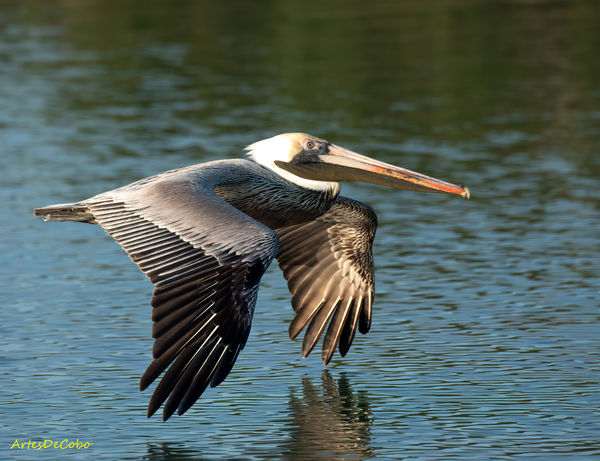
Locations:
(205, 235)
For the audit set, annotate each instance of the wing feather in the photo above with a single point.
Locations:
(205, 259)
(349, 328)
(317, 325)
(328, 264)
(334, 331)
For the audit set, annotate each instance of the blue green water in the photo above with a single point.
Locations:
(485, 340)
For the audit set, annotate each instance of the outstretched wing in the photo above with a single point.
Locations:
(328, 264)
(206, 259)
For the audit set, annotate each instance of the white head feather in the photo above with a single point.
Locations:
(284, 147)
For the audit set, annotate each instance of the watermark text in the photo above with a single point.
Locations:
(64, 444)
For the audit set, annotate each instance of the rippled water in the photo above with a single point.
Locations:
(485, 340)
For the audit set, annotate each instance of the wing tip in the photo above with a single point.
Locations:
(152, 407)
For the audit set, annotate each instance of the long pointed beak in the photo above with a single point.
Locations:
(341, 164)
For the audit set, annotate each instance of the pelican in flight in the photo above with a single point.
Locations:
(205, 235)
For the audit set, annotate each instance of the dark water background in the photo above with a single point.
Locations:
(486, 333)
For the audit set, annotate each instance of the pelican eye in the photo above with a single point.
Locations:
(308, 144)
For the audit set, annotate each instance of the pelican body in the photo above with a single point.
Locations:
(205, 235)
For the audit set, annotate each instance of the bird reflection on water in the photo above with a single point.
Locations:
(329, 422)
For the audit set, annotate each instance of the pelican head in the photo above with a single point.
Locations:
(315, 163)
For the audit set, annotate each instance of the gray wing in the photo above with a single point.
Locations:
(206, 259)
(328, 264)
